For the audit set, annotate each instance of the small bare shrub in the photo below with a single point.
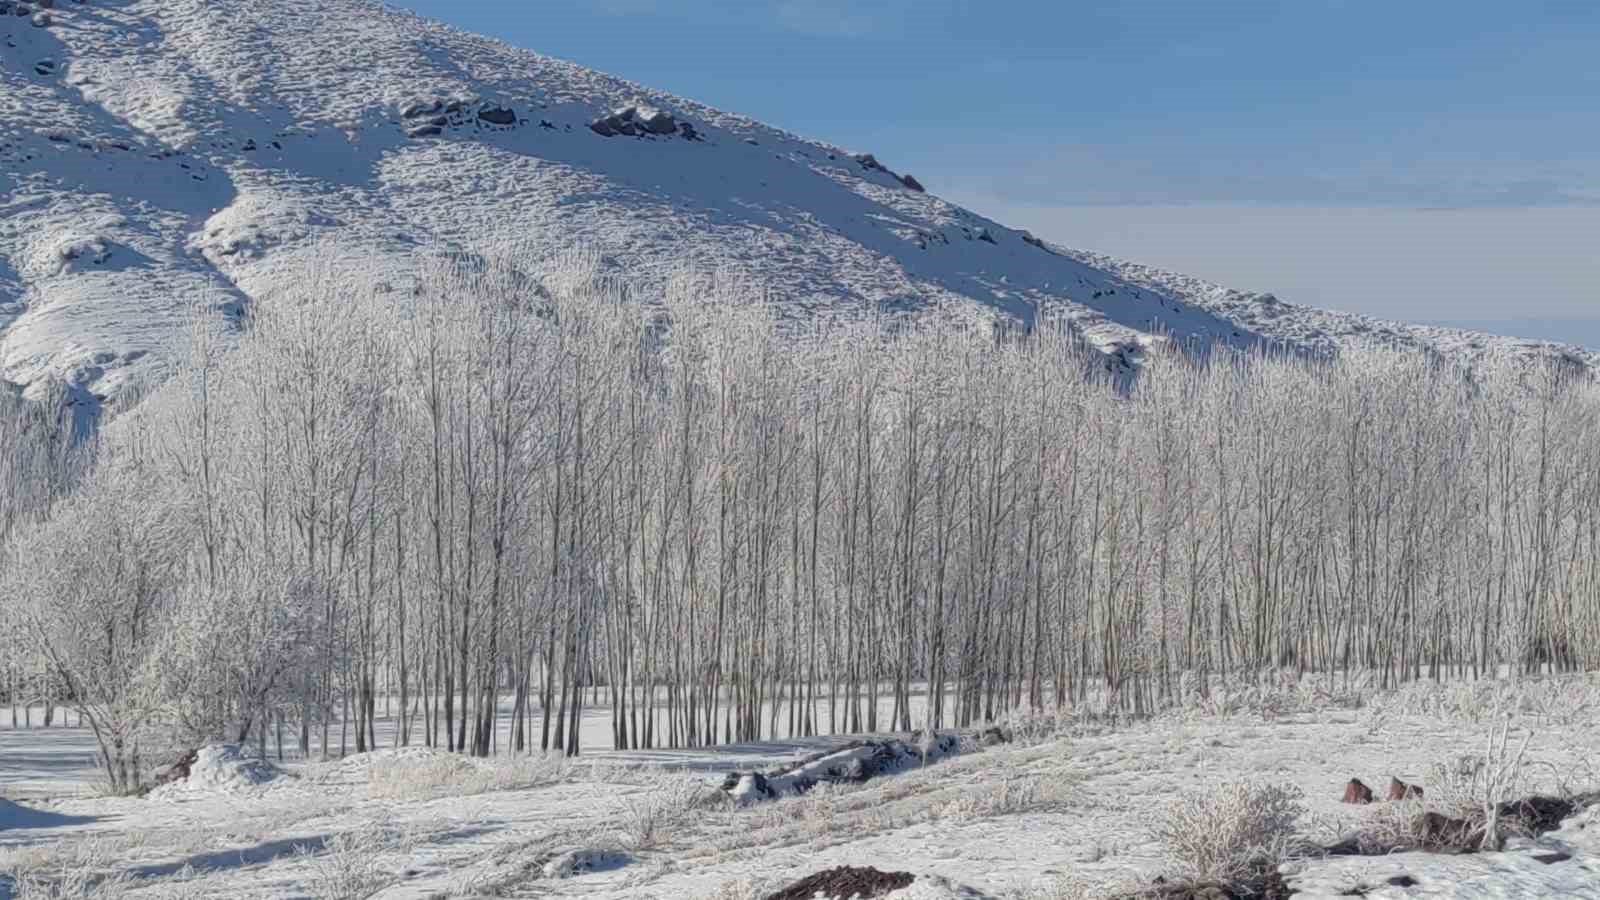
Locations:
(186, 884)
(1008, 797)
(646, 821)
(1391, 827)
(70, 884)
(433, 775)
(1561, 701)
(1233, 830)
(1474, 790)
(1270, 694)
(348, 866)
(1031, 726)
(83, 869)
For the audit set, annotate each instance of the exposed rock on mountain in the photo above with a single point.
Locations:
(155, 154)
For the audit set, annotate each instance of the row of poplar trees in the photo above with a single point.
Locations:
(483, 509)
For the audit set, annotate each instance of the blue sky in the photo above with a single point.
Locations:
(1169, 131)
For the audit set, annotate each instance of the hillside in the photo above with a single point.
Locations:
(156, 150)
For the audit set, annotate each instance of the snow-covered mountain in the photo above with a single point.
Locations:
(153, 151)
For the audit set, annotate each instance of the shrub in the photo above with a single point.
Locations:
(428, 776)
(78, 870)
(1232, 831)
(646, 821)
(347, 866)
(1008, 796)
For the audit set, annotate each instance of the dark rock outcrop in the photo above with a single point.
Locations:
(420, 108)
(634, 121)
(656, 121)
(1032, 241)
(498, 115)
(870, 162)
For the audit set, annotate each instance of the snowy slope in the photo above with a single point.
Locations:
(156, 152)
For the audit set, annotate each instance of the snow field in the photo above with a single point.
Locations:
(1056, 816)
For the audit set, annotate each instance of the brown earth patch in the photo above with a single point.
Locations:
(844, 883)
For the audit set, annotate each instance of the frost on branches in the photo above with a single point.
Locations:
(546, 486)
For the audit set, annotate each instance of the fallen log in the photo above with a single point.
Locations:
(853, 763)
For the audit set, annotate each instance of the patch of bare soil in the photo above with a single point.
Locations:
(845, 883)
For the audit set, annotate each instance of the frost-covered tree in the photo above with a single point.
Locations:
(95, 590)
(509, 489)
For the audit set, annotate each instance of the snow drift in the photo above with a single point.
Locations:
(220, 769)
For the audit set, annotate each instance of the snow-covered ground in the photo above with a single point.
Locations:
(159, 156)
(48, 763)
(156, 155)
(1025, 820)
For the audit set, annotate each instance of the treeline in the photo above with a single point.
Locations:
(730, 525)
(41, 453)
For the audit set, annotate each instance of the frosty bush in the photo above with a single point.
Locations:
(428, 775)
(1478, 794)
(645, 822)
(350, 866)
(1034, 726)
(1550, 701)
(1008, 796)
(1231, 831)
(1272, 693)
(85, 869)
